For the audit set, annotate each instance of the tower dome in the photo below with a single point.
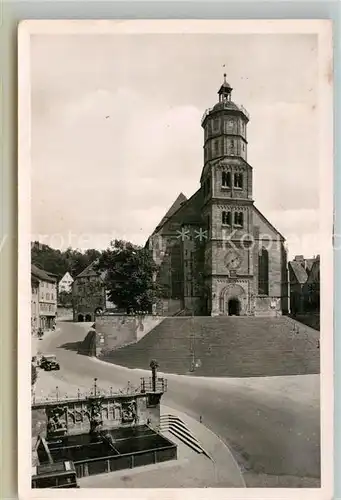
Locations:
(226, 104)
(225, 127)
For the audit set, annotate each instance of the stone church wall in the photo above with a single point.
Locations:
(266, 237)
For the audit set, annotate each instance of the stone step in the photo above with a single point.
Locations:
(226, 346)
(179, 429)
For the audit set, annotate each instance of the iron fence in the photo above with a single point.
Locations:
(146, 386)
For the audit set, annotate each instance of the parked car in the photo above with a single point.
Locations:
(49, 362)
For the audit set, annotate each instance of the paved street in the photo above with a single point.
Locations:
(270, 424)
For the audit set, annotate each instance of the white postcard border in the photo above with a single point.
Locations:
(323, 29)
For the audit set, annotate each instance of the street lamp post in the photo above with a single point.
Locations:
(192, 344)
(154, 366)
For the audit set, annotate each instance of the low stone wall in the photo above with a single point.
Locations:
(267, 307)
(170, 307)
(115, 331)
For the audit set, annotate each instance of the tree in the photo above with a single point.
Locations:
(129, 272)
(59, 262)
(65, 299)
(48, 258)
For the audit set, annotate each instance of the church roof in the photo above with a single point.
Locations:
(267, 222)
(181, 199)
(230, 105)
(299, 272)
(191, 213)
(187, 212)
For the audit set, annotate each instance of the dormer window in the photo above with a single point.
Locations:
(238, 181)
(226, 179)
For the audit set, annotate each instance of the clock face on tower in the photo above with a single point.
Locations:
(232, 260)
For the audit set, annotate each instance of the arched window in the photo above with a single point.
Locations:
(263, 272)
(239, 219)
(226, 179)
(238, 181)
(226, 218)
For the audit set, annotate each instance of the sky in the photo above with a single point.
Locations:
(116, 130)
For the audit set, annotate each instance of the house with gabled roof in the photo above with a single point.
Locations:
(217, 253)
(304, 277)
(311, 289)
(89, 296)
(43, 299)
(65, 283)
(298, 276)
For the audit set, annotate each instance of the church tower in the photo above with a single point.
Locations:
(226, 183)
(225, 257)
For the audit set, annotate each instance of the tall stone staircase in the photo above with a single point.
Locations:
(226, 347)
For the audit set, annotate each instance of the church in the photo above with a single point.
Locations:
(217, 253)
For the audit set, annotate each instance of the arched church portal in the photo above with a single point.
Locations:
(231, 300)
(233, 307)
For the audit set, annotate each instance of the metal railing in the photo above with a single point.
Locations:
(239, 106)
(145, 386)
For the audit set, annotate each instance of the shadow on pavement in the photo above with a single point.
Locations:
(70, 346)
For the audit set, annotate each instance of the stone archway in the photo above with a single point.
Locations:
(233, 307)
(80, 318)
(88, 317)
(232, 300)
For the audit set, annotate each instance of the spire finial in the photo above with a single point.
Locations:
(224, 77)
